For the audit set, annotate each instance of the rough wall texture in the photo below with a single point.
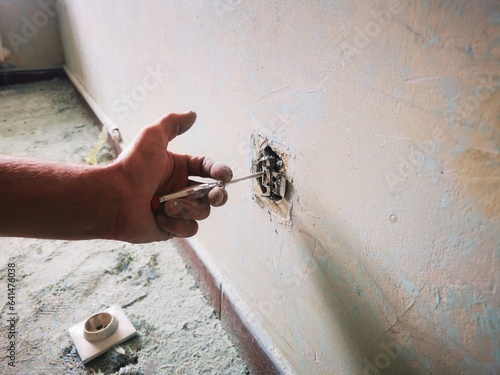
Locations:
(30, 31)
(390, 111)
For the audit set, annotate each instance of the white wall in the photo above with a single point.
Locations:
(391, 113)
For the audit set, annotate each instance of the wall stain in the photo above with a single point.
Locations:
(477, 169)
(477, 173)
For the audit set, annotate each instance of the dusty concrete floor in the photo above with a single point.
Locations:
(63, 282)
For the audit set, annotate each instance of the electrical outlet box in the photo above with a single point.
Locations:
(273, 182)
(273, 190)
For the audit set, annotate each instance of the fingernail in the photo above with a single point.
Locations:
(217, 197)
(172, 208)
(229, 173)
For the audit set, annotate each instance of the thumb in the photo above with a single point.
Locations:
(175, 124)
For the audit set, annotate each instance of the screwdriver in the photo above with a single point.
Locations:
(198, 191)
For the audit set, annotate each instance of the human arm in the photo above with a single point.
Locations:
(55, 200)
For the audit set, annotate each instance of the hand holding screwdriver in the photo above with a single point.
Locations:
(198, 191)
(111, 201)
(149, 169)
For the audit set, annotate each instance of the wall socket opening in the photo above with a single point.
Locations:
(273, 190)
(273, 182)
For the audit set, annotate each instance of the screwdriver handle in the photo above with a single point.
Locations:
(197, 191)
(192, 192)
(155, 203)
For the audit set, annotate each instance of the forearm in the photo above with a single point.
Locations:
(60, 201)
(55, 200)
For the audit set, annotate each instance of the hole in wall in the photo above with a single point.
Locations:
(273, 190)
(273, 182)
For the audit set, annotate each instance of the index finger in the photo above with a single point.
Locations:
(205, 167)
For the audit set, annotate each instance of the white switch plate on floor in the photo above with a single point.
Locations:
(90, 350)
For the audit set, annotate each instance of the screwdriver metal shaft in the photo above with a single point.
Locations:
(198, 191)
(250, 176)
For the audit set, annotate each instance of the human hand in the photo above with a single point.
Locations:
(146, 168)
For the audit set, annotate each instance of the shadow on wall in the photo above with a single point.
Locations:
(374, 337)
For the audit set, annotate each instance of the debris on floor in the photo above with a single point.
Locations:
(63, 282)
